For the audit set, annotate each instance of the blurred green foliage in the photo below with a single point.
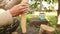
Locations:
(51, 22)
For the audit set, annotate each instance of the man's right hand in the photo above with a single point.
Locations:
(18, 9)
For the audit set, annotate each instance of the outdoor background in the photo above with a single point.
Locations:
(44, 10)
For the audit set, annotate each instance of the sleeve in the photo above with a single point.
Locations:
(5, 17)
(11, 3)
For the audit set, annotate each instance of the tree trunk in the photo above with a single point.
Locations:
(40, 6)
(58, 12)
(45, 29)
(58, 7)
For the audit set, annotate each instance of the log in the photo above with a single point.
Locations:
(37, 22)
(46, 29)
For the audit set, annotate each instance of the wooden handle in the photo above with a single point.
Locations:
(23, 18)
(23, 23)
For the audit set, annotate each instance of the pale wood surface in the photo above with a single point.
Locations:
(46, 29)
(23, 18)
(14, 32)
(23, 23)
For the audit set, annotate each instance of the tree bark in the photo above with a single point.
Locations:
(58, 13)
(58, 7)
(40, 6)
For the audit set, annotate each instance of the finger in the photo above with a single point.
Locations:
(21, 5)
(23, 12)
(21, 8)
(24, 4)
(24, 9)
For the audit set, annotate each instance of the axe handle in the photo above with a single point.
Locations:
(23, 18)
(23, 23)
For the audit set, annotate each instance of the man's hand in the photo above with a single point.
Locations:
(18, 9)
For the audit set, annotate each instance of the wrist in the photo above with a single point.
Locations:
(11, 12)
(14, 13)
